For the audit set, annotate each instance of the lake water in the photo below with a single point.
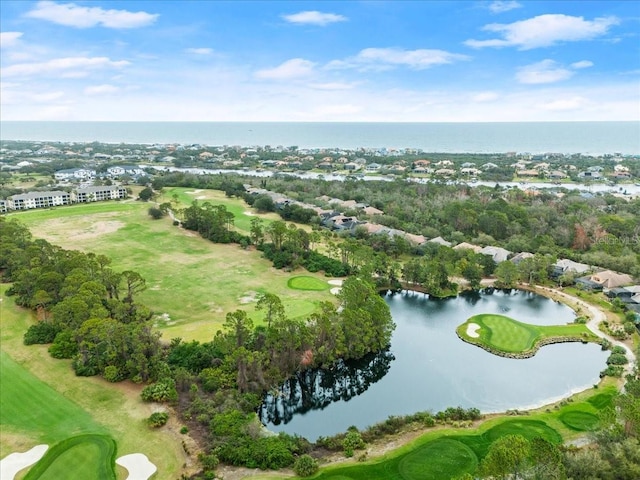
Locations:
(532, 137)
(428, 368)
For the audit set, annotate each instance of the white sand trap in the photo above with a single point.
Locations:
(336, 281)
(472, 330)
(249, 214)
(138, 465)
(335, 290)
(14, 462)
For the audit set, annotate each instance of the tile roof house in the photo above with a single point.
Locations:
(611, 279)
(468, 246)
(498, 254)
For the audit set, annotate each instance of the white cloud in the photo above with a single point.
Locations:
(546, 71)
(200, 51)
(544, 30)
(314, 18)
(485, 97)
(9, 39)
(386, 58)
(332, 86)
(500, 6)
(69, 67)
(294, 68)
(105, 89)
(47, 97)
(564, 104)
(582, 64)
(72, 15)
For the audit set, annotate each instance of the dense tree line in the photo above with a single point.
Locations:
(88, 312)
(602, 230)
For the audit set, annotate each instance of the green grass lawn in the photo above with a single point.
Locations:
(503, 334)
(31, 405)
(192, 283)
(305, 282)
(82, 457)
(42, 401)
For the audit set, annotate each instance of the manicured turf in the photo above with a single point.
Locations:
(78, 458)
(503, 334)
(74, 405)
(580, 421)
(32, 405)
(447, 456)
(304, 282)
(192, 283)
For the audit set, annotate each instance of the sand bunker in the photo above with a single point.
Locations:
(138, 465)
(14, 462)
(249, 214)
(335, 290)
(336, 281)
(472, 330)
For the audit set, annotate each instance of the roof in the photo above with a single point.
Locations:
(611, 279)
(570, 266)
(498, 254)
(440, 241)
(468, 246)
(518, 257)
(30, 195)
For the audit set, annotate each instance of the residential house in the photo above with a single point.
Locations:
(518, 257)
(75, 174)
(610, 279)
(468, 246)
(440, 241)
(498, 254)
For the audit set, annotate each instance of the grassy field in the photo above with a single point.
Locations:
(81, 457)
(73, 404)
(447, 453)
(503, 334)
(191, 283)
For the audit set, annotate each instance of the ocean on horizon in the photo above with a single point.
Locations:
(589, 138)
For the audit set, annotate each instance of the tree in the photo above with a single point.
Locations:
(506, 275)
(257, 231)
(271, 303)
(507, 457)
(146, 194)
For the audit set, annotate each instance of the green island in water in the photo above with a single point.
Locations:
(507, 337)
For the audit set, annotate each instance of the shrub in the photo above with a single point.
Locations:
(305, 466)
(352, 441)
(64, 345)
(161, 391)
(184, 430)
(158, 419)
(41, 332)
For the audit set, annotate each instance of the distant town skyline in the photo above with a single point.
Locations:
(325, 61)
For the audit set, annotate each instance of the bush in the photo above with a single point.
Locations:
(41, 332)
(161, 391)
(352, 441)
(64, 345)
(305, 466)
(158, 419)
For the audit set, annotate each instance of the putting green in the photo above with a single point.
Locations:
(580, 421)
(503, 335)
(81, 457)
(442, 458)
(305, 282)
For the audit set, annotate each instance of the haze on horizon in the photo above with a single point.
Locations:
(383, 61)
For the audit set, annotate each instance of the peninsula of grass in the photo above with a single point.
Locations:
(510, 338)
(81, 457)
(305, 282)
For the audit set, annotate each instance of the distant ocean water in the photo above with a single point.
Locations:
(593, 138)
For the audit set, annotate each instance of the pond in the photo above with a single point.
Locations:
(428, 368)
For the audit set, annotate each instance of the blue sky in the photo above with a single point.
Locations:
(390, 61)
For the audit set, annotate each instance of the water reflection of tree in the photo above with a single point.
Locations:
(315, 389)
